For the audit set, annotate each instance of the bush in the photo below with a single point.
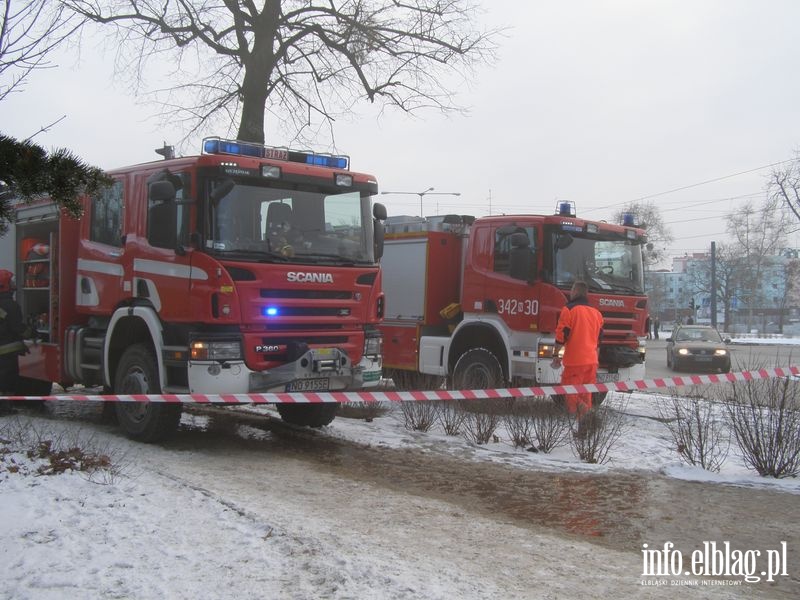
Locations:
(419, 415)
(765, 418)
(537, 422)
(28, 449)
(451, 417)
(594, 434)
(364, 410)
(701, 439)
(481, 419)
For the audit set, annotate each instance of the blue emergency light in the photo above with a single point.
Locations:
(270, 311)
(628, 219)
(237, 148)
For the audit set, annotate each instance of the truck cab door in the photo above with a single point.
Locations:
(101, 271)
(512, 270)
(162, 270)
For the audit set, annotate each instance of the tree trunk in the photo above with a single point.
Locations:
(259, 64)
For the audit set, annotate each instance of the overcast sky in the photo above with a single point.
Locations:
(598, 102)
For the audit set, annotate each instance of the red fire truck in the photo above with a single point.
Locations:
(245, 269)
(477, 301)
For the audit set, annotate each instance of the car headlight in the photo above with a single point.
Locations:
(216, 350)
(720, 352)
(683, 351)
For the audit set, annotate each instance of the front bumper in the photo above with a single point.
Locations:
(325, 369)
(701, 363)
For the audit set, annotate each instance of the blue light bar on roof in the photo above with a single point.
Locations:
(237, 148)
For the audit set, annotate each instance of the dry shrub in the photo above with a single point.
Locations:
(55, 451)
(419, 415)
(701, 439)
(364, 410)
(481, 419)
(765, 418)
(596, 432)
(550, 424)
(537, 422)
(451, 417)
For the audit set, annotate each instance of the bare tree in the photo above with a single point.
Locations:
(760, 234)
(303, 61)
(783, 184)
(730, 260)
(29, 31)
(648, 216)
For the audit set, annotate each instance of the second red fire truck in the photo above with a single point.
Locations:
(477, 301)
(245, 269)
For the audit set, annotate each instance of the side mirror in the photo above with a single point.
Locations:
(379, 211)
(223, 189)
(564, 241)
(378, 237)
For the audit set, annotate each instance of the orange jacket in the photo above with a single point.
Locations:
(579, 330)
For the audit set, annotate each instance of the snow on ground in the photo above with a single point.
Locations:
(167, 526)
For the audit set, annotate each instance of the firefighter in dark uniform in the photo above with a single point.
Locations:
(12, 331)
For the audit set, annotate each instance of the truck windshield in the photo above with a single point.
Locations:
(305, 225)
(608, 265)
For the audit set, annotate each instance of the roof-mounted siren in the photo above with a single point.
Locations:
(215, 145)
(566, 208)
(628, 219)
(168, 152)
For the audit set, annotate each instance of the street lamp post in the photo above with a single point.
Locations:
(428, 192)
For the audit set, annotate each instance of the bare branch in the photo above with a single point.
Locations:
(301, 61)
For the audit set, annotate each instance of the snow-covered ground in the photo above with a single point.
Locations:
(176, 522)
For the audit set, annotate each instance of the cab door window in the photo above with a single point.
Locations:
(513, 254)
(106, 217)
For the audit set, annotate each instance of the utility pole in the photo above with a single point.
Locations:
(714, 284)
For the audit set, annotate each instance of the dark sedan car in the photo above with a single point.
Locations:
(698, 347)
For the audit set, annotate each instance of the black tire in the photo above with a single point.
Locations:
(477, 369)
(137, 373)
(27, 386)
(308, 415)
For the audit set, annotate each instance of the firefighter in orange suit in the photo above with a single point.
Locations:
(579, 329)
(12, 332)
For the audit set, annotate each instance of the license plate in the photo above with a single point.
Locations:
(321, 384)
(606, 377)
(702, 358)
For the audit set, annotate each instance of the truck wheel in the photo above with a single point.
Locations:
(27, 386)
(477, 369)
(308, 415)
(137, 373)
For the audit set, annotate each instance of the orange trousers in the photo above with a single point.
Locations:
(575, 374)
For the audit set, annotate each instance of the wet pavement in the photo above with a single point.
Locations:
(621, 511)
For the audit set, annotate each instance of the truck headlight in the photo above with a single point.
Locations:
(216, 350)
(545, 351)
(373, 345)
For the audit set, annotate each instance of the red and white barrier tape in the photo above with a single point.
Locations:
(393, 396)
